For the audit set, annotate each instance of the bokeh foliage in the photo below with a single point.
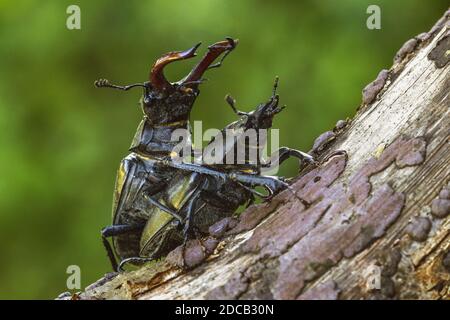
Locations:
(61, 139)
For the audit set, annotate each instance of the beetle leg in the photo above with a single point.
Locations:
(273, 184)
(163, 207)
(133, 260)
(251, 201)
(190, 210)
(193, 167)
(157, 187)
(110, 253)
(254, 193)
(119, 229)
(285, 153)
(187, 223)
(116, 230)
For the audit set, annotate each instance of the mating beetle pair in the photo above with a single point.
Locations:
(159, 203)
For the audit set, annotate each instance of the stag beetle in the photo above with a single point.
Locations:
(159, 202)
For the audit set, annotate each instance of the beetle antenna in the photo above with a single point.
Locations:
(104, 83)
(275, 87)
(232, 103)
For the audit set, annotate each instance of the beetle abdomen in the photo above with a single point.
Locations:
(136, 174)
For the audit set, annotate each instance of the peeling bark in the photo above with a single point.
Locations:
(379, 198)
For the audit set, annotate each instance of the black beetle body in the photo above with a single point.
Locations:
(158, 202)
(140, 183)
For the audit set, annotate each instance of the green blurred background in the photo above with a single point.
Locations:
(61, 140)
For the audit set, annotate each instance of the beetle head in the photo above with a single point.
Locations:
(262, 116)
(167, 102)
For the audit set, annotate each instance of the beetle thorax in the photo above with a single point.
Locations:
(163, 114)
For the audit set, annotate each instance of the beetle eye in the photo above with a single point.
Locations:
(147, 98)
(148, 86)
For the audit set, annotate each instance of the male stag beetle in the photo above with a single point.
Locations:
(157, 201)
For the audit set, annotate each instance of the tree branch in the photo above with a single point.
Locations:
(382, 204)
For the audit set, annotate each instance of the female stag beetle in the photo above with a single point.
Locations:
(157, 201)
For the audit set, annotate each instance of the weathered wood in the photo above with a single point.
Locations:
(383, 204)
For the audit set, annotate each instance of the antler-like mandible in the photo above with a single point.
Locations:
(157, 78)
(214, 51)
